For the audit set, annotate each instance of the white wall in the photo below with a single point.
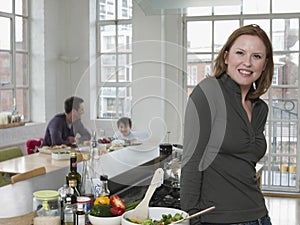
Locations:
(175, 76)
(157, 75)
(66, 33)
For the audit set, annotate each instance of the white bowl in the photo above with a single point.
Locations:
(116, 220)
(155, 213)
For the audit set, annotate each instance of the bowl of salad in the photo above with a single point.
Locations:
(109, 210)
(157, 216)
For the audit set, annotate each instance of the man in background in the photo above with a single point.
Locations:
(63, 127)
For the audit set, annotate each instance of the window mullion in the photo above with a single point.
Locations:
(117, 101)
(116, 9)
(117, 51)
(13, 48)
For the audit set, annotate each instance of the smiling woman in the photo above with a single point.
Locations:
(213, 175)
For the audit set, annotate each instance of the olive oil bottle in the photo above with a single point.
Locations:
(74, 178)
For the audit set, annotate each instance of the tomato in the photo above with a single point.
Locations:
(117, 202)
(116, 211)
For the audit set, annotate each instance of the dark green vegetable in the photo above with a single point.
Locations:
(101, 211)
(178, 216)
(166, 219)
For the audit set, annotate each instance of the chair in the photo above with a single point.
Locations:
(6, 154)
(33, 145)
(31, 173)
(10, 153)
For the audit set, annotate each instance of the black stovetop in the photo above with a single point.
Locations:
(164, 196)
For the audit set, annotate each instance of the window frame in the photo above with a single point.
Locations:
(14, 52)
(116, 22)
(271, 19)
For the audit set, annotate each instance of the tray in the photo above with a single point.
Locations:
(49, 151)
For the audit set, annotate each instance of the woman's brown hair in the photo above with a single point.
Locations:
(263, 83)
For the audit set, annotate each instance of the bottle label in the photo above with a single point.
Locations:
(74, 164)
(69, 217)
(73, 183)
(80, 220)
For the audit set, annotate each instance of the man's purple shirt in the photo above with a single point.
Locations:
(58, 131)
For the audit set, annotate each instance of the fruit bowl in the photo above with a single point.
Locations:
(155, 213)
(115, 220)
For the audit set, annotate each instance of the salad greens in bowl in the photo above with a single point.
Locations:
(157, 216)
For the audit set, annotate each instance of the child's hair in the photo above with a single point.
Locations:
(124, 120)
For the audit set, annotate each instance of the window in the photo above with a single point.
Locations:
(280, 20)
(275, 76)
(14, 57)
(114, 56)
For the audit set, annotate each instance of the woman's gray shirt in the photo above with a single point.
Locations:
(221, 149)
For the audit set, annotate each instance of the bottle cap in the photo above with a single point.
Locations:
(80, 207)
(103, 177)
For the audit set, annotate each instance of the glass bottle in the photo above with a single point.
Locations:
(80, 215)
(74, 178)
(94, 160)
(62, 198)
(86, 181)
(94, 146)
(69, 216)
(104, 190)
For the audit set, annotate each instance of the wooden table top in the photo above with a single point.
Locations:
(30, 162)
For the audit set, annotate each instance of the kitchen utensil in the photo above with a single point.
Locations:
(142, 209)
(194, 215)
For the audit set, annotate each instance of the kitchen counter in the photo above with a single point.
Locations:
(17, 197)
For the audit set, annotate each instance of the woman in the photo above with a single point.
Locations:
(224, 139)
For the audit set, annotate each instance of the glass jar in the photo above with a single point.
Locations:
(47, 206)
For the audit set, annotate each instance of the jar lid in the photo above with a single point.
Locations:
(83, 199)
(46, 194)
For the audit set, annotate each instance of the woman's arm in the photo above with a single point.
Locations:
(197, 129)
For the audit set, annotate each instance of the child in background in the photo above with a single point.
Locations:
(124, 130)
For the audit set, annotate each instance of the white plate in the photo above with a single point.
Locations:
(49, 151)
(63, 155)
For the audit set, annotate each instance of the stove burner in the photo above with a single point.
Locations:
(166, 196)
